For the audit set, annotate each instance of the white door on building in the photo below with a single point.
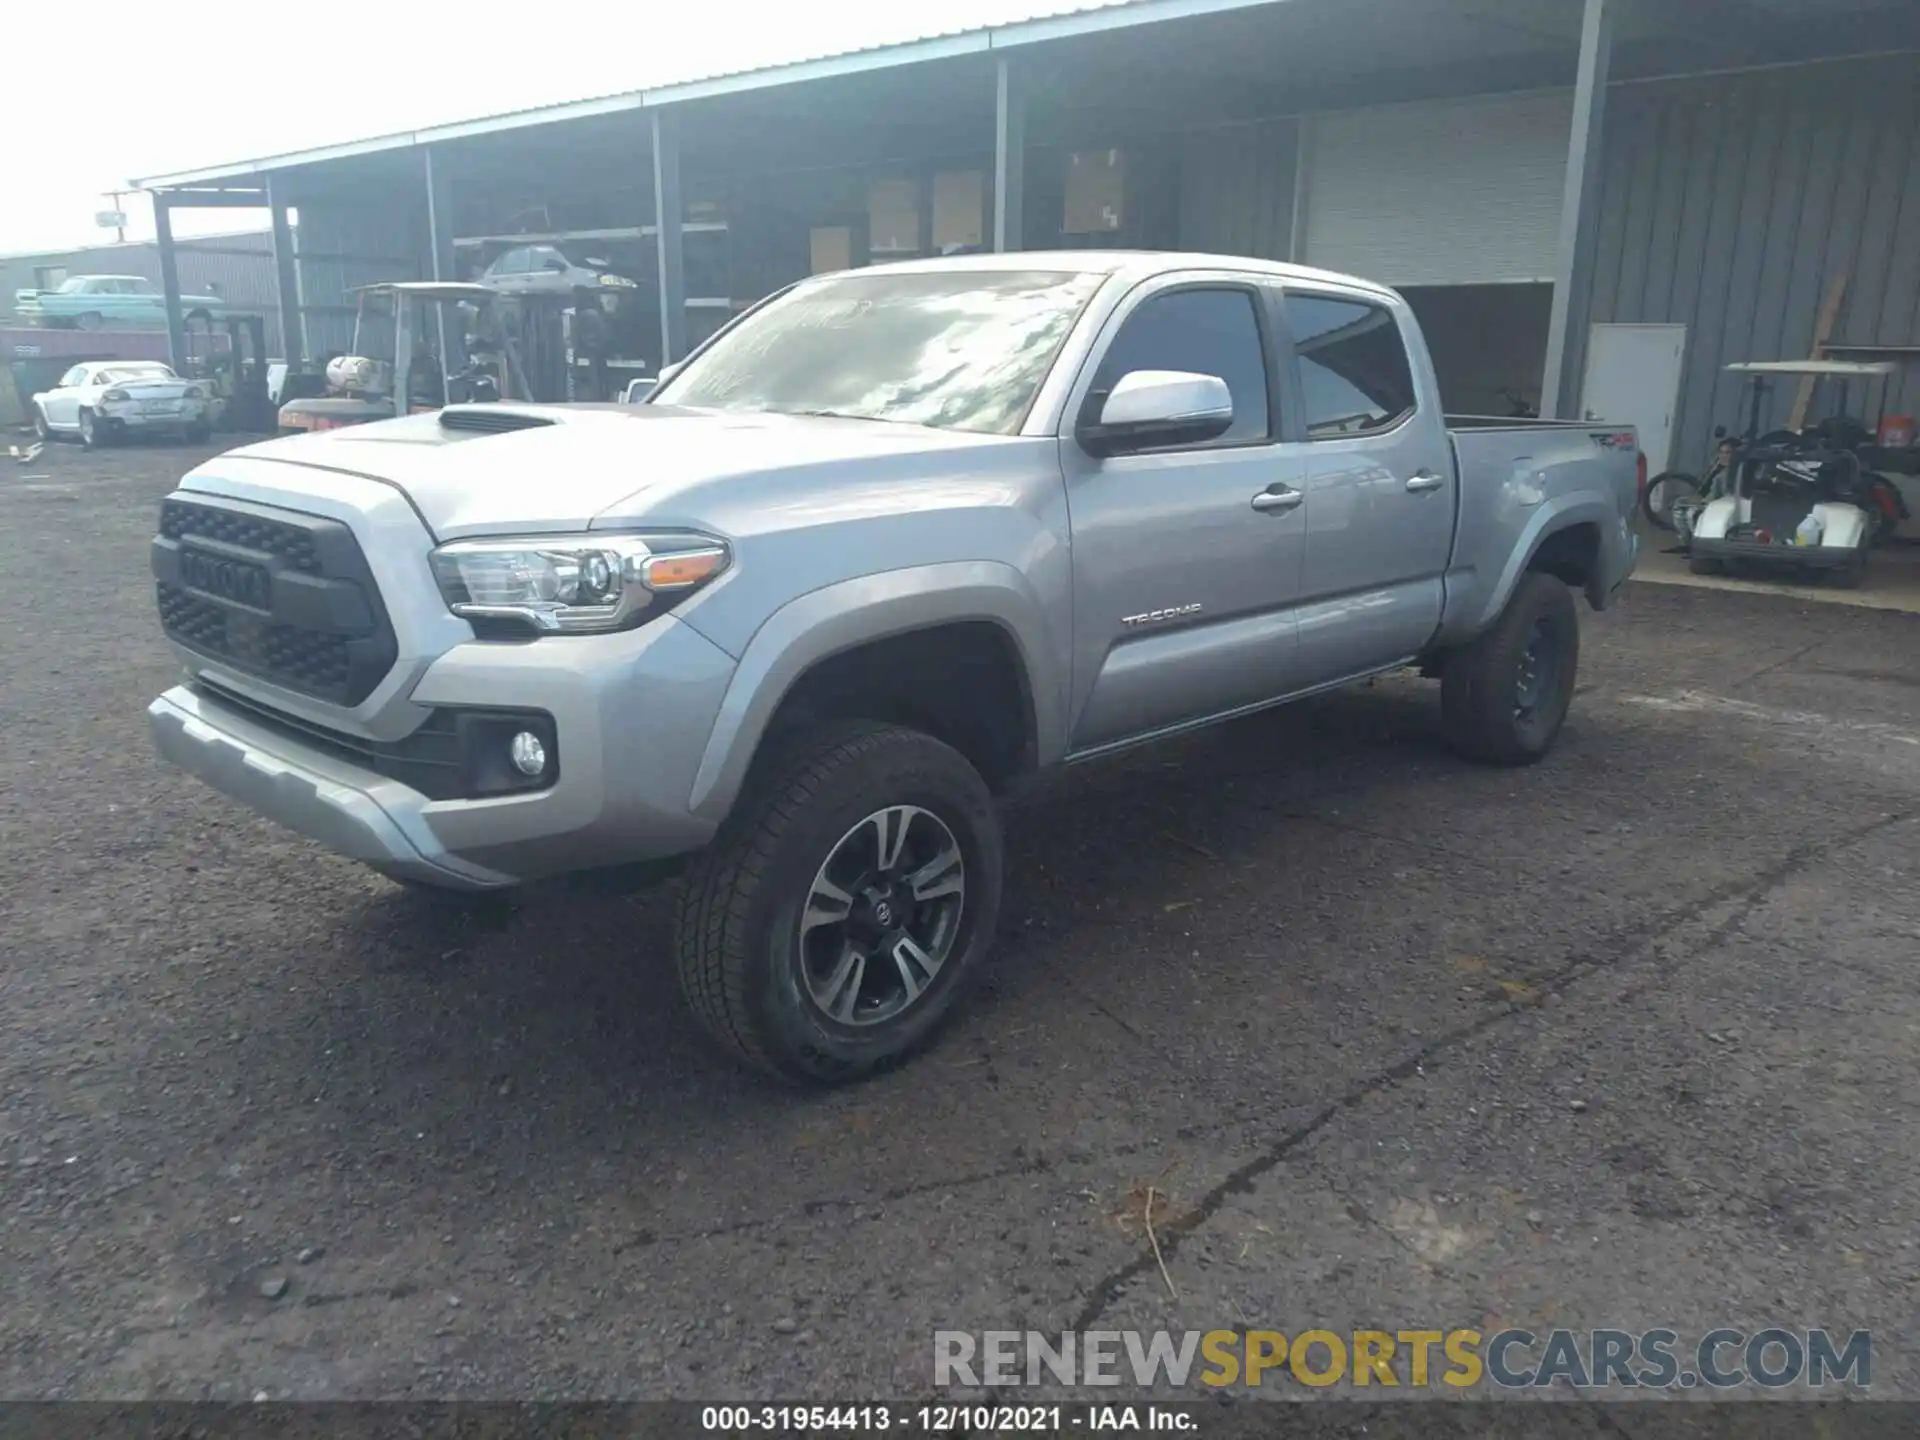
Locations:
(1633, 378)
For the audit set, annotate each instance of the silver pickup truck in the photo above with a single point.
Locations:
(888, 543)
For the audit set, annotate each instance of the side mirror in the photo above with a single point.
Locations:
(1150, 409)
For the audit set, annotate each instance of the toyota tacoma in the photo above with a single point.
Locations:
(889, 542)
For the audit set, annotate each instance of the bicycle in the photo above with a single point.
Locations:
(1672, 488)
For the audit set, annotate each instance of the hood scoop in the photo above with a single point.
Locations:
(489, 419)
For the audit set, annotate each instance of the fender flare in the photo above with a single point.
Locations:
(1562, 513)
(851, 613)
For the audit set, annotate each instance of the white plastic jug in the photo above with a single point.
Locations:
(1810, 532)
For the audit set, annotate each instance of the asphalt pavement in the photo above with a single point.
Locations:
(1370, 1035)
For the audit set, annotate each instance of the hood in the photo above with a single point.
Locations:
(531, 469)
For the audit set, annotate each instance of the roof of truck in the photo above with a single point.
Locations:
(1141, 264)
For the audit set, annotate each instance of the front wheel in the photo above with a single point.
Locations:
(845, 906)
(1504, 697)
(41, 430)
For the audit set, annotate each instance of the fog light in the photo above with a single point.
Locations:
(529, 756)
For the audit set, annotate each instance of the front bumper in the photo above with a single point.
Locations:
(1800, 557)
(632, 713)
(353, 811)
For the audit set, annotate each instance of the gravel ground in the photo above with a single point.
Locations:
(1622, 1040)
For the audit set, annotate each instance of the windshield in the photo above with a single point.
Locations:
(960, 350)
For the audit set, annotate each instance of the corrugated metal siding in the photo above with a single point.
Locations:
(1462, 193)
(340, 247)
(1236, 189)
(1730, 205)
(206, 266)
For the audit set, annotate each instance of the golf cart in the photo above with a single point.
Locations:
(1792, 499)
(394, 368)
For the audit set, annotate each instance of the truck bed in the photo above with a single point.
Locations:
(1519, 476)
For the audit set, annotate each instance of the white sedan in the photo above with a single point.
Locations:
(107, 400)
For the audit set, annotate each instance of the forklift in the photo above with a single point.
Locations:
(393, 369)
(237, 376)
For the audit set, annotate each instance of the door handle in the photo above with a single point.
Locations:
(1277, 499)
(1424, 481)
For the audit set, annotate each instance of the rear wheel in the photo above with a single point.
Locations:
(845, 907)
(1504, 698)
(93, 434)
(1657, 502)
(1849, 576)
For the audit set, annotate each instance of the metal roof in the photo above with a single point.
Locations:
(1095, 18)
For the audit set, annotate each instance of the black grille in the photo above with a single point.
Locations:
(287, 597)
(306, 660)
(294, 547)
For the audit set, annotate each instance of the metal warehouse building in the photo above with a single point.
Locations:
(1593, 204)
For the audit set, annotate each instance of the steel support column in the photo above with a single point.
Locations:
(1579, 214)
(170, 282)
(668, 213)
(441, 264)
(286, 283)
(1009, 159)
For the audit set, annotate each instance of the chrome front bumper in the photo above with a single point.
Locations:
(353, 811)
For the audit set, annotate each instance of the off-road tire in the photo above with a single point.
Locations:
(1478, 681)
(738, 951)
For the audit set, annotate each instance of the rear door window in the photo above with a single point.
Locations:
(1355, 378)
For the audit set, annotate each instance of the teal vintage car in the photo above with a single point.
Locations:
(106, 302)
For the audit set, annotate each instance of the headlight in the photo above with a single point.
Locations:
(194, 392)
(577, 583)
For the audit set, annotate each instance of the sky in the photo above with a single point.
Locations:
(155, 89)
